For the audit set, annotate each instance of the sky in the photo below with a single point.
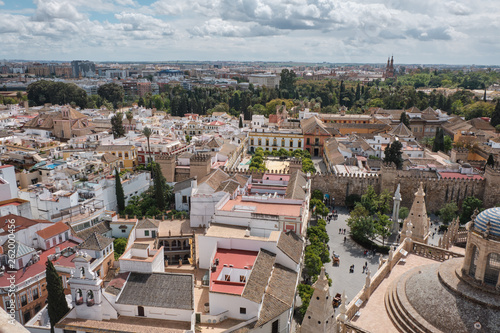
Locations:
(333, 31)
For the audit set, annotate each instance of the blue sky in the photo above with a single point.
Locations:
(415, 31)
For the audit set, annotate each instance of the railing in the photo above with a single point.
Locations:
(214, 319)
(434, 253)
(349, 327)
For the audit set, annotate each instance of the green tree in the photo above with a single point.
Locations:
(117, 125)
(394, 154)
(491, 160)
(119, 245)
(382, 226)
(321, 209)
(362, 227)
(160, 188)
(287, 81)
(404, 119)
(308, 165)
(447, 144)
(305, 292)
(469, 205)
(147, 132)
(129, 115)
(317, 194)
(448, 212)
(438, 144)
(57, 306)
(495, 116)
(120, 195)
(112, 92)
(403, 212)
(240, 125)
(352, 199)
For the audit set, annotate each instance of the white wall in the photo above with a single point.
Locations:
(8, 173)
(222, 302)
(283, 326)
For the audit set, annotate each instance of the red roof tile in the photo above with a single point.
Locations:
(458, 175)
(53, 230)
(20, 223)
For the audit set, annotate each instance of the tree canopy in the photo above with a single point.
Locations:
(393, 154)
(112, 92)
(56, 300)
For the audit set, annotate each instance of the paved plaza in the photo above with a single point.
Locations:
(350, 254)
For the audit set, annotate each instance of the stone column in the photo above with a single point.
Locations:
(395, 211)
(481, 265)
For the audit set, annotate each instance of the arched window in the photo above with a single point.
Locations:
(473, 261)
(78, 297)
(90, 298)
(492, 269)
(82, 270)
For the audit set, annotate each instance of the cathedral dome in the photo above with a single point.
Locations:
(492, 216)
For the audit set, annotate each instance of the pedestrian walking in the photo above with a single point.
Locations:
(345, 238)
(344, 231)
(340, 231)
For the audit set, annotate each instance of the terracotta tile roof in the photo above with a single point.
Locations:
(100, 228)
(310, 125)
(402, 131)
(109, 158)
(160, 290)
(54, 230)
(182, 185)
(242, 180)
(333, 153)
(147, 223)
(291, 245)
(228, 186)
(214, 178)
(95, 242)
(115, 286)
(280, 294)
(20, 223)
(257, 281)
(481, 124)
(295, 186)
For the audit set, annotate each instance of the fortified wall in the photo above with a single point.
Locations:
(439, 191)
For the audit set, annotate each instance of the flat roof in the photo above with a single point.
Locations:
(126, 324)
(239, 259)
(230, 231)
(267, 208)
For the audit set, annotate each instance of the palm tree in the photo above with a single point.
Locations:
(147, 133)
(129, 116)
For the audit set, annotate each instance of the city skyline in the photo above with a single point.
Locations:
(364, 31)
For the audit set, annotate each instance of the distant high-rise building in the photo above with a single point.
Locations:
(83, 68)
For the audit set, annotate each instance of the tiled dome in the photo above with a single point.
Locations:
(491, 215)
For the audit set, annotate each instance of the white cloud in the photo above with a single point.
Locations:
(1, 3)
(313, 30)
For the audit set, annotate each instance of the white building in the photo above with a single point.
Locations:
(268, 80)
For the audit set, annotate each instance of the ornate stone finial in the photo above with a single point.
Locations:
(488, 229)
(368, 279)
(397, 195)
(322, 275)
(391, 254)
(409, 231)
(440, 243)
(343, 317)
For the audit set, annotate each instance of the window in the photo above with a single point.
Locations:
(316, 141)
(123, 230)
(243, 310)
(227, 277)
(184, 199)
(35, 294)
(38, 308)
(24, 301)
(243, 278)
(275, 326)
(27, 316)
(300, 144)
(146, 232)
(308, 141)
(267, 142)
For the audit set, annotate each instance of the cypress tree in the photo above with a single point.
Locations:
(160, 187)
(495, 117)
(120, 195)
(404, 119)
(438, 144)
(241, 122)
(57, 305)
(491, 160)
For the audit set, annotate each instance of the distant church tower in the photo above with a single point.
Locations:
(389, 69)
(320, 316)
(418, 217)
